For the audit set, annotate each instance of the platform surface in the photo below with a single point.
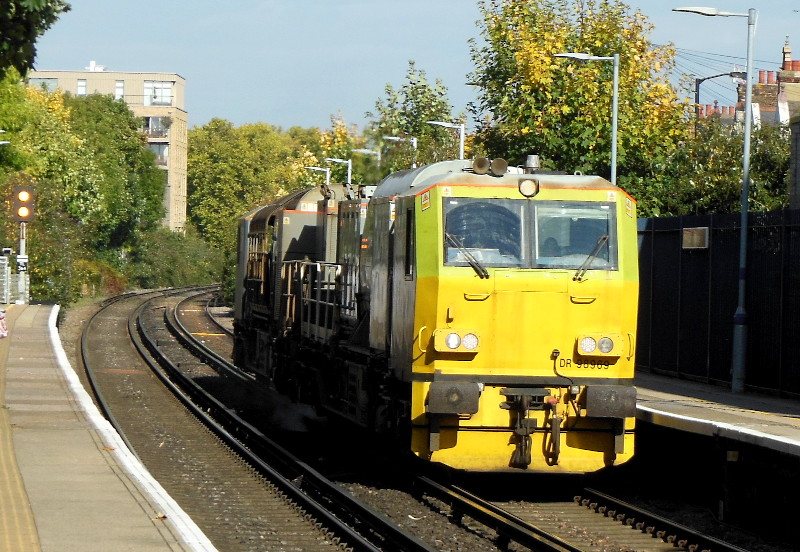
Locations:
(67, 482)
(762, 420)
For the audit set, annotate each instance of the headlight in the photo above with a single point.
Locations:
(453, 340)
(470, 341)
(599, 344)
(456, 340)
(588, 345)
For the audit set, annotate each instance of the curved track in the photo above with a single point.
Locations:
(209, 480)
(236, 508)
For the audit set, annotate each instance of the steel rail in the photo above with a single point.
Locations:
(213, 318)
(332, 506)
(185, 337)
(88, 369)
(508, 527)
(653, 524)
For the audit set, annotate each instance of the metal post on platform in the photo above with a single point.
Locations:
(22, 266)
(739, 352)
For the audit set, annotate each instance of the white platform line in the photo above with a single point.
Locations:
(187, 530)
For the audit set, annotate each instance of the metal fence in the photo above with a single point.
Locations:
(14, 288)
(5, 280)
(688, 296)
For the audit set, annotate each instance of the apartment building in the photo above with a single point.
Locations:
(158, 98)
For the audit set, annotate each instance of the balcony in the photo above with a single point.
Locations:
(155, 132)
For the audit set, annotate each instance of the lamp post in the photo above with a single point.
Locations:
(327, 172)
(348, 162)
(698, 81)
(739, 357)
(410, 139)
(460, 127)
(376, 153)
(614, 100)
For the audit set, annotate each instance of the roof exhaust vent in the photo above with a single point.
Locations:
(480, 165)
(532, 164)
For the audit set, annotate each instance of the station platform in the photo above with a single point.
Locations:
(67, 481)
(760, 420)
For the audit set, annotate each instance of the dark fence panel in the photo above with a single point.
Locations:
(688, 297)
(724, 295)
(790, 351)
(695, 273)
(666, 267)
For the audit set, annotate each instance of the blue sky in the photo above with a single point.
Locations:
(307, 60)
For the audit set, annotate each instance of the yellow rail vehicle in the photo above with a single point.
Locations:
(485, 320)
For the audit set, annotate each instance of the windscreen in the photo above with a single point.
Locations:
(491, 230)
(568, 233)
(529, 234)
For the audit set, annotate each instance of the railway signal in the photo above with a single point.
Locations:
(24, 202)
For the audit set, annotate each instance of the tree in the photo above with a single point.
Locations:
(232, 170)
(164, 258)
(132, 187)
(404, 113)
(98, 191)
(23, 22)
(45, 153)
(531, 102)
(705, 174)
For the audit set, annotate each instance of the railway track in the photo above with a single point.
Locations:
(197, 355)
(203, 475)
(240, 501)
(603, 513)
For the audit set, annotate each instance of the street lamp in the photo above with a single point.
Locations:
(698, 81)
(460, 127)
(376, 153)
(614, 99)
(327, 172)
(738, 362)
(410, 139)
(348, 162)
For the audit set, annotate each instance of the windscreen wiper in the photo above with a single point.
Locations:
(479, 269)
(601, 241)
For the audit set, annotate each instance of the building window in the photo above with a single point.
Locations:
(81, 91)
(48, 84)
(162, 153)
(119, 90)
(158, 92)
(156, 127)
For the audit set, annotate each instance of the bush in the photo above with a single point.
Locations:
(163, 258)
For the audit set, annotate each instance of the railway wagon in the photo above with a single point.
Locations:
(481, 316)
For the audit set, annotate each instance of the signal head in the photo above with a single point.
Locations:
(23, 203)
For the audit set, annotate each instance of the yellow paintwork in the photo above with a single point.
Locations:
(521, 316)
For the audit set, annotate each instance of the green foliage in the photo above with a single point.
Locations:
(162, 258)
(132, 187)
(532, 102)
(98, 193)
(405, 113)
(232, 170)
(705, 173)
(23, 22)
